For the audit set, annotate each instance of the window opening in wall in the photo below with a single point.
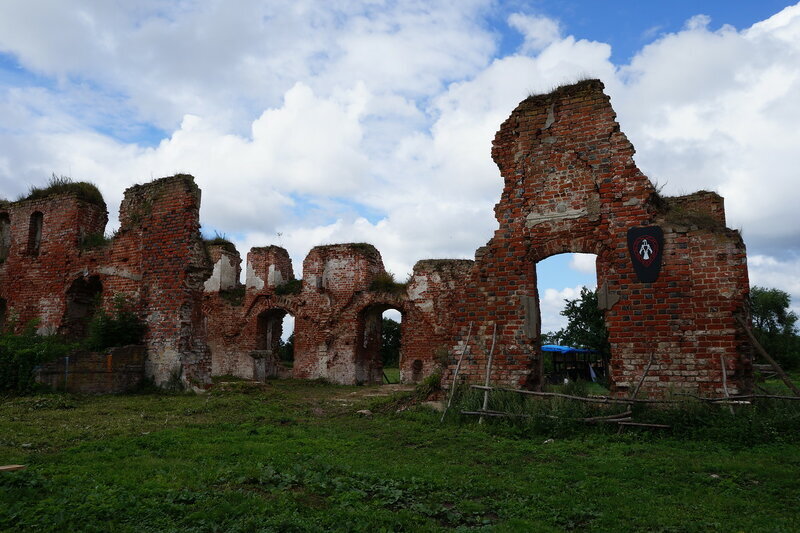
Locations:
(83, 298)
(574, 340)
(5, 236)
(35, 233)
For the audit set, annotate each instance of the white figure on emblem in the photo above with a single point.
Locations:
(645, 250)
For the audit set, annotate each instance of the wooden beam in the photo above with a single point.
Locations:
(766, 356)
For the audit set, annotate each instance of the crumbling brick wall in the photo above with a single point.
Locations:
(337, 311)
(571, 185)
(156, 261)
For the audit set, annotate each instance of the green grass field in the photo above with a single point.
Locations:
(295, 456)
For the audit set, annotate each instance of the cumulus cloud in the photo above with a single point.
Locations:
(308, 123)
(551, 303)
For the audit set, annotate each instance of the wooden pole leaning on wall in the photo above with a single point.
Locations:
(455, 374)
(488, 373)
(725, 381)
(766, 356)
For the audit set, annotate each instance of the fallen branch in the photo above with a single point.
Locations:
(645, 425)
(591, 399)
(609, 400)
(620, 417)
(11, 468)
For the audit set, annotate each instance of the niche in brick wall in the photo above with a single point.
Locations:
(82, 299)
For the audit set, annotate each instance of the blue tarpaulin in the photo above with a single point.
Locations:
(565, 349)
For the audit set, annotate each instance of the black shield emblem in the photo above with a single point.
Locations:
(645, 246)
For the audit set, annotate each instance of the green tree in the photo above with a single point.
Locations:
(286, 349)
(775, 325)
(390, 343)
(586, 327)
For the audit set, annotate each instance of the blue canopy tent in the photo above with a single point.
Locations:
(573, 363)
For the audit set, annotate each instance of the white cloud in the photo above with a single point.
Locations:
(538, 31)
(770, 272)
(351, 121)
(584, 263)
(551, 303)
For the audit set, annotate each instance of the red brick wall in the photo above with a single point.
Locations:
(571, 185)
(337, 314)
(156, 260)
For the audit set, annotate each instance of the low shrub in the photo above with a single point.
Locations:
(121, 327)
(21, 353)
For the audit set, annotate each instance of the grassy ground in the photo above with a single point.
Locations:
(295, 456)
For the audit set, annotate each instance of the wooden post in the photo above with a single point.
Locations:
(488, 373)
(725, 381)
(455, 374)
(766, 356)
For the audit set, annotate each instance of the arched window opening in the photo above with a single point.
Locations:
(35, 233)
(83, 298)
(573, 340)
(5, 236)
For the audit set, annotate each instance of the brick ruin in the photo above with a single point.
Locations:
(570, 186)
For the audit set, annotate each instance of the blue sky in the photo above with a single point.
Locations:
(308, 122)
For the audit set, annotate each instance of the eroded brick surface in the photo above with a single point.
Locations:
(337, 312)
(156, 261)
(571, 185)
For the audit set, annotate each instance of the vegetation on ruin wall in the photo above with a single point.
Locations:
(120, 327)
(293, 286)
(83, 190)
(221, 240)
(291, 456)
(21, 353)
(385, 282)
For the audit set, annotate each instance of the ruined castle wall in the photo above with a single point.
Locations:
(155, 261)
(571, 185)
(337, 312)
(39, 266)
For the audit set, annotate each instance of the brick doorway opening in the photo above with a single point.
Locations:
(274, 343)
(372, 355)
(573, 340)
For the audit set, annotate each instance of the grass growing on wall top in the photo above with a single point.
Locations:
(65, 185)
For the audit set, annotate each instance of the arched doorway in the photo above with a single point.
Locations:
(371, 349)
(274, 344)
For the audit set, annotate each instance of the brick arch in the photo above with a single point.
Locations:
(266, 302)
